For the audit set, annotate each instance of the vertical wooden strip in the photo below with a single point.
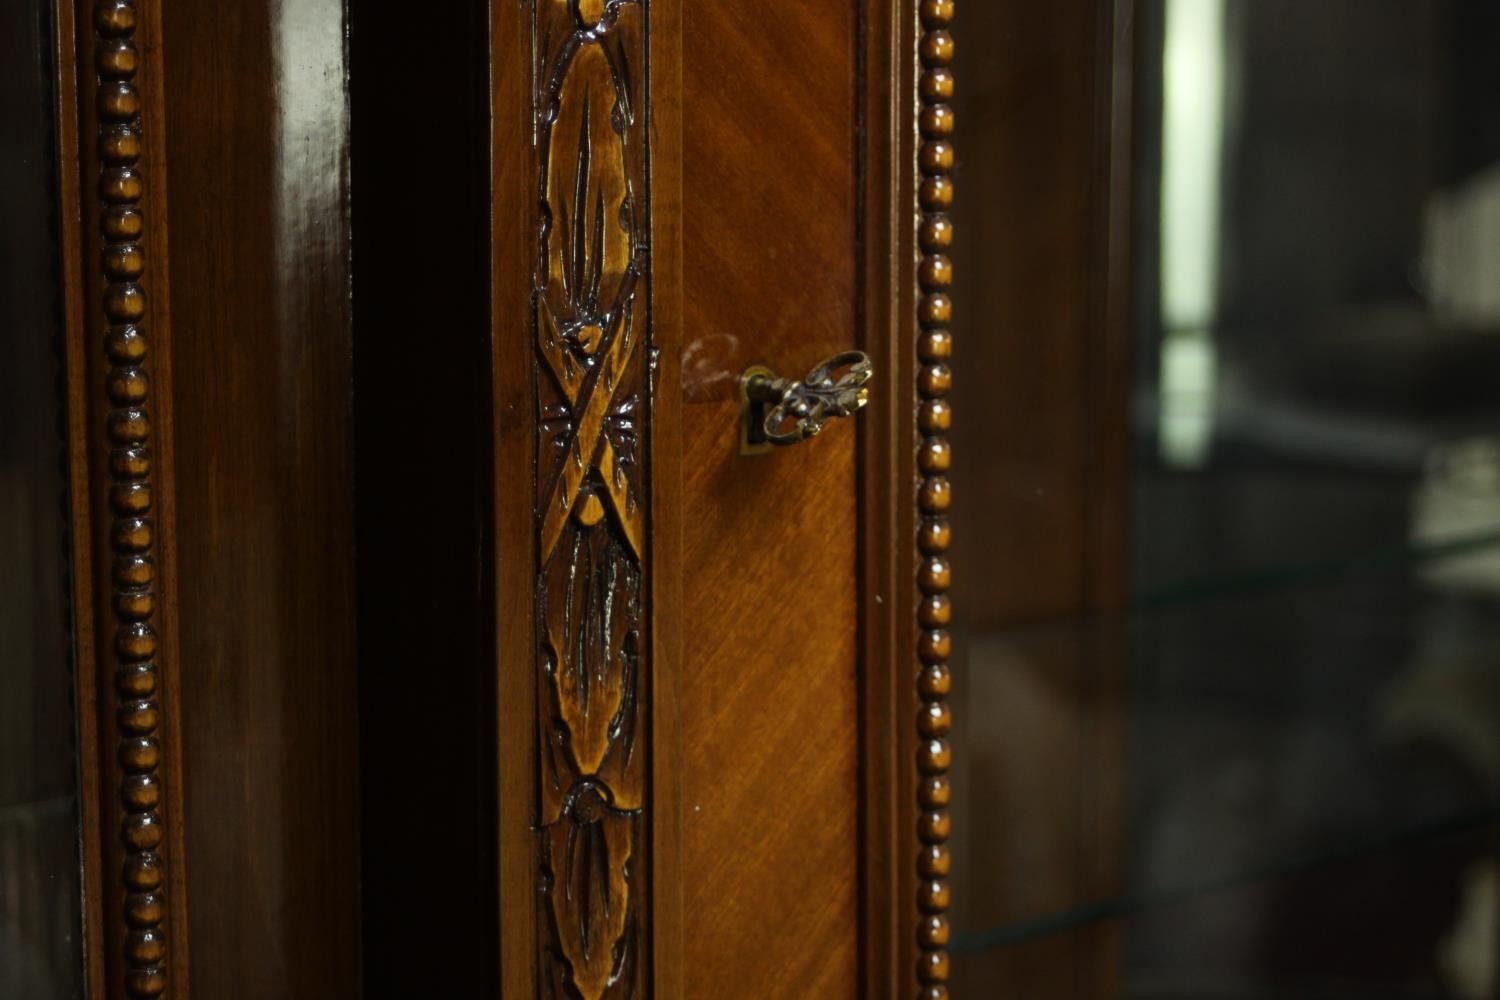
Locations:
(574, 423)
(934, 379)
(164, 490)
(246, 119)
(593, 360)
(887, 456)
(665, 218)
(77, 321)
(513, 257)
(770, 680)
(132, 647)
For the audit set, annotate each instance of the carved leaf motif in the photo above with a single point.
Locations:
(589, 864)
(588, 237)
(592, 611)
(590, 334)
(585, 325)
(589, 246)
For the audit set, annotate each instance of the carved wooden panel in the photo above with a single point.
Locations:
(590, 316)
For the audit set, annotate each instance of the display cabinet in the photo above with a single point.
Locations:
(504, 545)
(480, 515)
(1228, 701)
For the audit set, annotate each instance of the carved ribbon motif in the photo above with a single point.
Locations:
(590, 323)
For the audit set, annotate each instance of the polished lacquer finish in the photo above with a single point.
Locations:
(713, 630)
(123, 411)
(431, 600)
(129, 498)
(211, 476)
(767, 690)
(255, 142)
(934, 380)
(132, 533)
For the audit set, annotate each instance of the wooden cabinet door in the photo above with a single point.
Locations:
(443, 628)
(713, 667)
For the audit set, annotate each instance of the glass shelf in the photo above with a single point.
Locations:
(1239, 765)
(1392, 558)
(1472, 829)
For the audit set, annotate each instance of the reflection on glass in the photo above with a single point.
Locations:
(1191, 172)
(1277, 771)
(41, 951)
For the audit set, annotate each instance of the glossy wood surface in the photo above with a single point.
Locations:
(888, 503)
(255, 140)
(934, 537)
(768, 715)
(122, 399)
(512, 258)
(591, 289)
(573, 355)
(783, 709)
(756, 810)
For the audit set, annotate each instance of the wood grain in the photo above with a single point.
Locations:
(514, 259)
(767, 696)
(255, 143)
(888, 504)
(665, 76)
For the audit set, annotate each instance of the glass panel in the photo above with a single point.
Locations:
(41, 949)
(1266, 760)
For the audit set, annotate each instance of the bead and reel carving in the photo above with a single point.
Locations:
(130, 498)
(934, 379)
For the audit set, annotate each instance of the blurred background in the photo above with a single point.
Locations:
(1228, 491)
